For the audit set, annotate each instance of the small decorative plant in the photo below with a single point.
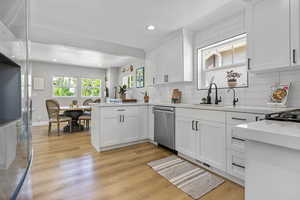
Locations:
(122, 91)
(232, 78)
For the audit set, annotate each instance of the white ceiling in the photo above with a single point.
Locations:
(119, 21)
(113, 31)
(76, 56)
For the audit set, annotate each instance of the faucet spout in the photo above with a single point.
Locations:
(235, 99)
(209, 94)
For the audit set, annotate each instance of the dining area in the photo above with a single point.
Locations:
(72, 118)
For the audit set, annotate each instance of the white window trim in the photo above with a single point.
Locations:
(199, 68)
(76, 87)
(81, 87)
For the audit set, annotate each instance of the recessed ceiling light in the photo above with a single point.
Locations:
(13, 56)
(150, 27)
(54, 60)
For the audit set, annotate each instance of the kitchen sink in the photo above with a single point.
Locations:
(209, 105)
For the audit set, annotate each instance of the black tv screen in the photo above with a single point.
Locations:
(10, 90)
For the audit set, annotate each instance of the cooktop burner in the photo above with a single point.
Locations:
(293, 115)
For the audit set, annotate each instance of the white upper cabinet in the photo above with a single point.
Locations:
(295, 33)
(172, 61)
(269, 34)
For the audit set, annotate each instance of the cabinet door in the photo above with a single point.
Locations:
(295, 32)
(269, 34)
(110, 130)
(185, 139)
(151, 68)
(151, 123)
(212, 149)
(129, 128)
(143, 122)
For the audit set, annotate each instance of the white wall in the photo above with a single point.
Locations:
(259, 86)
(47, 71)
(135, 93)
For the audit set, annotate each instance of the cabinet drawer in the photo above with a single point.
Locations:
(208, 115)
(236, 164)
(237, 144)
(122, 110)
(241, 118)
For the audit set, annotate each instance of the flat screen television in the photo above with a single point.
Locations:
(10, 90)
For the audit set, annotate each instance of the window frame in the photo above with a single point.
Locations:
(81, 87)
(76, 87)
(199, 61)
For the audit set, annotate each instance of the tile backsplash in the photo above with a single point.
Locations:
(256, 94)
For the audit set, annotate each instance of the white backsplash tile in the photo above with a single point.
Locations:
(257, 94)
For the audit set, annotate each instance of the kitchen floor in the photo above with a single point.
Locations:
(68, 167)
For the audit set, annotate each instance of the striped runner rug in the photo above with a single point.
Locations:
(191, 179)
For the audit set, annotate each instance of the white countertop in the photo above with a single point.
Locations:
(285, 134)
(242, 109)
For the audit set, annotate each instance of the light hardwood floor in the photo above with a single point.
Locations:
(68, 168)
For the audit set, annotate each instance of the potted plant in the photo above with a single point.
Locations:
(122, 91)
(232, 78)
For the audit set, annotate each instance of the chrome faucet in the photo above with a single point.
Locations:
(235, 99)
(208, 99)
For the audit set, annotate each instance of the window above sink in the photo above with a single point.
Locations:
(214, 61)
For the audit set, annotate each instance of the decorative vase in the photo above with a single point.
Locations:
(232, 83)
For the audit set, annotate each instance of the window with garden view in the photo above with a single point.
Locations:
(224, 63)
(64, 86)
(90, 87)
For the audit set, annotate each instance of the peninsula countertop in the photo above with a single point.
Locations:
(280, 133)
(225, 108)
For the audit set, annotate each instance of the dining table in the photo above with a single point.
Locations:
(74, 112)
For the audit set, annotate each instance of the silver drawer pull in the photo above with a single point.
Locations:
(240, 119)
(237, 165)
(239, 139)
(121, 110)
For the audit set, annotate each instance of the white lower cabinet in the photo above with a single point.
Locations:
(235, 144)
(201, 135)
(212, 144)
(118, 125)
(150, 123)
(186, 136)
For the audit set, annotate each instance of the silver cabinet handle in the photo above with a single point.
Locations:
(123, 118)
(237, 165)
(240, 119)
(248, 63)
(239, 139)
(120, 118)
(294, 56)
(121, 110)
(193, 122)
(197, 125)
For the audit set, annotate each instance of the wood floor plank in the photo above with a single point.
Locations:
(68, 167)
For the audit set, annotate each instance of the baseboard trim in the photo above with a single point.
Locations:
(214, 170)
(41, 123)
(122, 145)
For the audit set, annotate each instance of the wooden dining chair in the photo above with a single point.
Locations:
(86, 116)
(97, 100)
(54, 115)
(87, 102)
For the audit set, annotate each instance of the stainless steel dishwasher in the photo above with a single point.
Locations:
(164, 126)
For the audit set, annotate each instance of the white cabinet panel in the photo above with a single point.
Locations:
(110, 130)
(269, 34)
(213, 144)
(129, 128)
(150, 123)
(295, 32)
(172, 60)
(186, 138)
